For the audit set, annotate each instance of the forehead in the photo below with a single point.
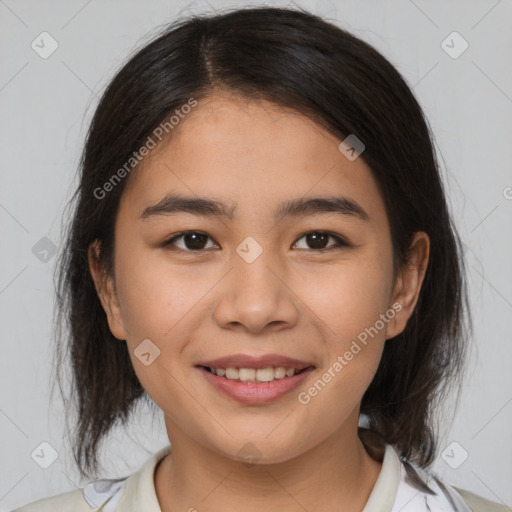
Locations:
(250, 154)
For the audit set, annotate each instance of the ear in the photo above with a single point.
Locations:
(408, 283)
(106, 290)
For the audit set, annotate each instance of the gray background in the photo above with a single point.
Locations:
(46, 105)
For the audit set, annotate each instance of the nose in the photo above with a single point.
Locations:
(256, 297)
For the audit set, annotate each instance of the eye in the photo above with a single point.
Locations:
(318, 239)
(193, 240)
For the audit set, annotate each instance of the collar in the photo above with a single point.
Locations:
(385, 489)
(137, 492)
(140, 493)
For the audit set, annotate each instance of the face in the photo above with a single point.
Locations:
(306, 285)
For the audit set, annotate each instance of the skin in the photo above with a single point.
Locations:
(294, 299)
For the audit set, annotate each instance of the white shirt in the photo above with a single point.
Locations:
(394, 491)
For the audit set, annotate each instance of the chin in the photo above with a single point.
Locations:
(258, 448)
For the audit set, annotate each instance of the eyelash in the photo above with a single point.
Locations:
(340, 241)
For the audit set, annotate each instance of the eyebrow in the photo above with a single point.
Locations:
(207, 207)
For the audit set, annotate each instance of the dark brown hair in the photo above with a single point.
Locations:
(297, 60)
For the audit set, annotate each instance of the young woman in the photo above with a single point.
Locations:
(261, 246)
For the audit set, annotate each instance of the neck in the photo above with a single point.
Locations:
(337, 471)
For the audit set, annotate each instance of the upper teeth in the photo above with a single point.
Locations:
(251, 374)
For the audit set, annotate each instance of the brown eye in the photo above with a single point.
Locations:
(195, 241)
(192, 240)
(317, 240)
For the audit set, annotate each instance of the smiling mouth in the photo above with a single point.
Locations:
(259, 375)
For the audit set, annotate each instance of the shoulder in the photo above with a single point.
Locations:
(130, 493)
(73, 500)
(479, 504)
(423, 490)
(100, 495)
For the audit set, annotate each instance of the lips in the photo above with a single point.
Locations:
(255, 362)
(255, 379)
(256, 393)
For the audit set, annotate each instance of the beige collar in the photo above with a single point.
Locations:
(140, 491)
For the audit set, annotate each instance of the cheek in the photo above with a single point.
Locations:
(155, 296)
(349, 314)
(347, 297)
(162, 303)
(347, 302)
